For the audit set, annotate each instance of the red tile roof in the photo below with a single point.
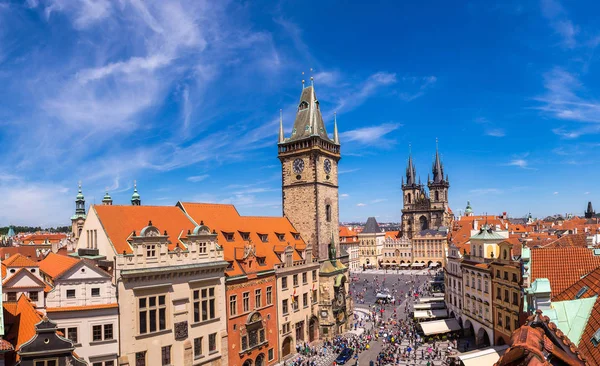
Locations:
(119, 222)
(562, 266)
(42, 238)
(592, 282)
(29, 252)
(347, 232)
(22, 318)
(55, 265)
(19, 260)
(569, 240)
(226, 219)
(391, 234)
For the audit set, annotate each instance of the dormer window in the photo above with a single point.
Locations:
(302, 106)
(296, 236)
(245, 236)
(150, 250)
(281, 237)
(261, 261)
(264, 237)
(228, 236)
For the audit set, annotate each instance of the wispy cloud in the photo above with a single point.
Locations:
(361, 204)
(422, 84)
(489, 128)
(553, 11)
(346, 171)
(521, 163)
(374, 135)
(197, 178)
(555, 193)
(379, 200)
(344, 195)
(495, 132)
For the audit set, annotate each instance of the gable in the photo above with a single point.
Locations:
(85, 271)
(22, 279)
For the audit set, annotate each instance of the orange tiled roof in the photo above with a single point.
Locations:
(19, 260)
(82, 308)
(570, 240)
(22, 318)
(55, 265)
(41, 238)
(346, 232)
(226, 219)
(562, 266)
(391, 234)
(592, 282)
(119, 222)
(27, 251)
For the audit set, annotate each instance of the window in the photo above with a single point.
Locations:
(150, 250)
(506, 295)
(264, 237)
(514, 277)
(296, 236)
(70, 294)
(228, 236)
(140, 358)
(95, 292)
(284, 306)
(328, 213)
(246, 301)
(232, 305)
(295, 280)
(96, 333)
(212, 342)
(286, 328)
(33, 296)
(202, 247)
(11, 296)
(244, 342)
(269, 295)
(152, 314)
(52, 362)
(281, 237)
(108, 331)
(507, 323)
(295, 303)
(479, 284)
(582, 291)
(198, 347)
(485, 286)
(72, 335)
(166, 355)
(304, 278)
(257, 298)
(499, 294)
(271, 354)
(284, 283)
(515, 298)
(204, 299)
(305, 299)
(245, 235)
(499, 319)
(505, 276)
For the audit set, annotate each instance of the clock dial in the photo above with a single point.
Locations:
(327, 166)
(340, 299)
(298, 166)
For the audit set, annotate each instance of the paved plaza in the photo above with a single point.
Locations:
(363, 289)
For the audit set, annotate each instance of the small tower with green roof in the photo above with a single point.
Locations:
(135, 197)
(468, 210)
(107, 199)
(78, 219)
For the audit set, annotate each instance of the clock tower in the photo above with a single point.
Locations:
(309, 176)
(309, 166)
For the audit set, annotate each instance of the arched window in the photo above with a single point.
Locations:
(328, 213)
(437, 195)
(424, 223)
(408, 198)
(302, 106)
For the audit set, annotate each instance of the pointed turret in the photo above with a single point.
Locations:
(589, 213)
(281, 137)
(79, 203)
(410, 172)
(309, 121)
(336, 138)
(135, 197)
(438, 169)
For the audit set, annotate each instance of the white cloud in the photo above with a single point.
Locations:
(85, 12)
(423, 84)
(586, 193)
(379, 200)
(29, 203)
(197, 178)
(373, 135)
(346, 171)
(558, 21)
(521, 163)
(555, 193)
(495, 132)
(344, 195)
(361, 204)
(368, 88)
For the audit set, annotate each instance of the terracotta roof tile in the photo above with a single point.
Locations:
(562, 266)
(22, 317)
(391, 234)
(41, 238)
(19, 260)
(592, 282)
(226, 219)
(29, 252)
(570, 240)
(82, 308)
(119, 222)
(346, 232)
(54, 265)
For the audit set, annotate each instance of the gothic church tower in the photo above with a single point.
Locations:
(309, 172)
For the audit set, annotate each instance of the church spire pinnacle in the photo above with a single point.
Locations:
(281, 137)
(336, 138)
(438, 169)
(410, 169)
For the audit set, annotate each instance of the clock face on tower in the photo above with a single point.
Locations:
(340, 299)
(327, 166)
(298, 166)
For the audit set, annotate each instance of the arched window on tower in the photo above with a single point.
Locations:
(328, 213)
(408, 198)
(302, 106)
(437, 195)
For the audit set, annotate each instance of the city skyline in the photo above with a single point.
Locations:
(188, 103)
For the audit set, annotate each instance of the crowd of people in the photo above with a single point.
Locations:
(398, 333)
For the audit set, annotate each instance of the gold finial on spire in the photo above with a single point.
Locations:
(311, 77)
(302, 79)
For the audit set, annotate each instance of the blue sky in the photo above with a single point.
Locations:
(184, 97)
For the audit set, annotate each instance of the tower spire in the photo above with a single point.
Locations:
(135, 197)
(438, 169)
(410, 169)
(336, 138)
(281, 137)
